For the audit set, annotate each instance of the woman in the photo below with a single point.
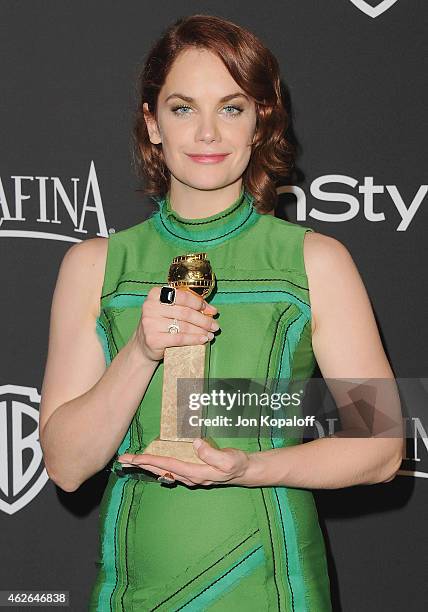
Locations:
(239, 531)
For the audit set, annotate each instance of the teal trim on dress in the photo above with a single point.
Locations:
(292, 340)
(101, 333)
(109, 546)
(231, 297)
(292, 553)
(259, 296)
(205, 232)
(126, 442)
(282, 502)
(246, 564)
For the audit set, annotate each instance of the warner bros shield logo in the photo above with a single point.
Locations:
(376, 10)
(22, 472)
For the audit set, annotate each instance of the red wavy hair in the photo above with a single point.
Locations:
(256, 71)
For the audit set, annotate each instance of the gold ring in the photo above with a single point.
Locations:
(173, 328)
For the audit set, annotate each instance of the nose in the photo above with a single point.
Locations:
(207, 129)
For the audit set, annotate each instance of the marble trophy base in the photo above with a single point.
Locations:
(188, 362)
(173, 448)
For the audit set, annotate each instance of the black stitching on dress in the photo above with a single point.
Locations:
(271, 544)
(222, 576)
(286, 551)
(273, 446)
(285, 337)
(132, 281)
(268, 367)
(234, 293)
(279, 370)
(107, 337)
(223, 280)
(208, 239)
(211, 220)
(115, 549)
(205, 570)
(232, 280)
(140, 442)
(274, 339)
(263, 291)
(267, 514)
(111, 330)
(126, 545)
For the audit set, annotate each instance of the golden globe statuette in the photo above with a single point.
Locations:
(191, 272)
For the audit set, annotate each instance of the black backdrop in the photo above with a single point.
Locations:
(358, 89)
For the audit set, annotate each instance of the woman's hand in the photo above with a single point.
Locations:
(194, 316)
(222, 466)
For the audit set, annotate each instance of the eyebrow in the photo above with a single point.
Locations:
(224, 99)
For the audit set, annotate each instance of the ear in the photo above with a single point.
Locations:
(152, 126)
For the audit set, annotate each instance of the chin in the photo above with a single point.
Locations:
(205, 183)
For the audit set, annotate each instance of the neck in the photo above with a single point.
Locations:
(193, 203)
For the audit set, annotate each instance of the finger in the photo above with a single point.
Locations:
(185, 297)
(192, 471)
(162, 324)
(181, 313)
(133, 459)
(181, 339)
(177, 477)
(164, 339)
(128, 457)
(217, 458)
(189, 297)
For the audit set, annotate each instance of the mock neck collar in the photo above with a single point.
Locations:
(205, 231)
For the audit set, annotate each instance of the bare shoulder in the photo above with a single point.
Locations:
(320, 249)
(329, 265)
(83, 267)
(92, 250)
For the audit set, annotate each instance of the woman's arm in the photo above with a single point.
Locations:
(326, 463)
(347, 345)
(85, 408)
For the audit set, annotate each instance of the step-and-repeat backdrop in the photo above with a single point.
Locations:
(357, 81)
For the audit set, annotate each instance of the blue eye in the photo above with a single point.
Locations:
(237, 110)
(177, 108)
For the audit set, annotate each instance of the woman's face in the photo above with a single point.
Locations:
(202, 111)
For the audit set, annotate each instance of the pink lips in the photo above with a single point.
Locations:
(208, 159)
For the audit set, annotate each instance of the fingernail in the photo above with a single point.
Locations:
(197, 443)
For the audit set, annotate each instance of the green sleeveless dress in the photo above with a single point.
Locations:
(223, 547)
